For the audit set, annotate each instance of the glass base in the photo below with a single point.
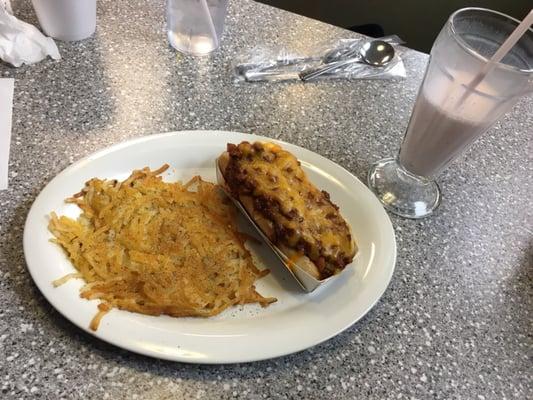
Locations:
(401, 192)
(192, 45)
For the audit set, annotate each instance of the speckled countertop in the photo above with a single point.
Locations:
(455, 322)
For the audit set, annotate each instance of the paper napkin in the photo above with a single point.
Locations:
(6, 111)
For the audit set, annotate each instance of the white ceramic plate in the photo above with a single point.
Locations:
(249, 333)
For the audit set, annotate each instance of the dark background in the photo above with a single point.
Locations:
(416, 21)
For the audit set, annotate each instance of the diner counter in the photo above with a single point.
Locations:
(455, 321)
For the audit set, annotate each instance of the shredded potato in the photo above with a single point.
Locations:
(152, 247)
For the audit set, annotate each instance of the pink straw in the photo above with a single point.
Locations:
(501, 52)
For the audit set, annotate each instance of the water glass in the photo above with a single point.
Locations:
(68, 20)
(194, 27)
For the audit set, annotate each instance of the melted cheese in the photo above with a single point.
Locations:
(304, 210)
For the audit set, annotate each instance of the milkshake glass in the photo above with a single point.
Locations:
(450, 113)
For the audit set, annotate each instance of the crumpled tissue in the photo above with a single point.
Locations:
(20, 42)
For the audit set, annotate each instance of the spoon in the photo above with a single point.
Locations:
(376, 53)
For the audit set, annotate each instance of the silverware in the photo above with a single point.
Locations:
(269, 74)
(306, 281)
(289, 68)
(242, 69)
(376, 53)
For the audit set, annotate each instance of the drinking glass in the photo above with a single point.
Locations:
(68, 20)
(450, 112)
(195, 26)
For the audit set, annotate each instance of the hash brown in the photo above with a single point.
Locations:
(152, 247)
